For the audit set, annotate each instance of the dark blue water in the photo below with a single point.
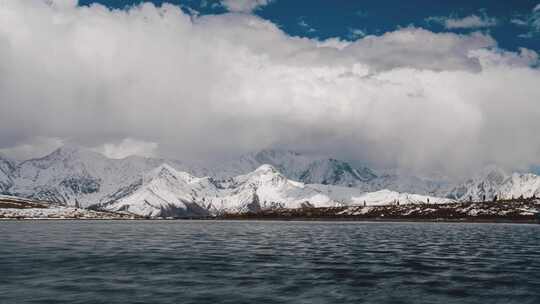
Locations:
(267, 262)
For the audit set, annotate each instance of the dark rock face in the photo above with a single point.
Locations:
(7, 169)
(49, 195)
(4, 187)
(342, 169)
(255, 205)
(81, 185)
(121, 193)
(307, 205)
(192, 210)
(336, 172)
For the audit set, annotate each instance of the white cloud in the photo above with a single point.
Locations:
(535, 21)
(218, 85)
(244, 6)
(472, 21)
(519, 22)
(420, 49)
(63, 4)
(128, 147)
(355, 33)
(525, 57)
(531, 21)
(302, 23)
(32, 148)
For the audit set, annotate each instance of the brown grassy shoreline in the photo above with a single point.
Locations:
(382, 220)
(522, 210)
(351, 220)
(519, 211)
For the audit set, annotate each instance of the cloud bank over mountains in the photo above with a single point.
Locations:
(157, 80)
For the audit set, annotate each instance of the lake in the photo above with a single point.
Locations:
(267, 262)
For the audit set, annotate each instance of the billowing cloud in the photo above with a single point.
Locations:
(419, 49)
(128, 147)
(472, 21)
(202, 87)
(244, 6)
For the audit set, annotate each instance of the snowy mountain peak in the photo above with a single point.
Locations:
(167, 172)
(68, 154)
(162, 170)
(491, 182)
(164, 192)
(72, 151)
(265, 173)
(309, 169)
(68, 150)
(266, 169)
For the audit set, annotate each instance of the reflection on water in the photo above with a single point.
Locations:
(267, 262)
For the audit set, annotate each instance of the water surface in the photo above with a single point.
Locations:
(267, 262)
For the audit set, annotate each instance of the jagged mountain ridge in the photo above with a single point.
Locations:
(305, 168)
(167, 192)
(404, 182)
(80, 177)
(164, 192)
(76, 176)
(329, 171)
(494, 182)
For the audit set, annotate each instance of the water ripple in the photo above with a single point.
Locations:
(268, 262)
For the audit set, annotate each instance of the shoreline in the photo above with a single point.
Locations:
(386, 220)
(516, 211)
(296, 219)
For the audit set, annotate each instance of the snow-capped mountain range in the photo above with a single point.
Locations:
(168, 192)
(271, 178)
(299, 167)
(495, 182)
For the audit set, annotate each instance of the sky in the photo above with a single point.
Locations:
(427, 86)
